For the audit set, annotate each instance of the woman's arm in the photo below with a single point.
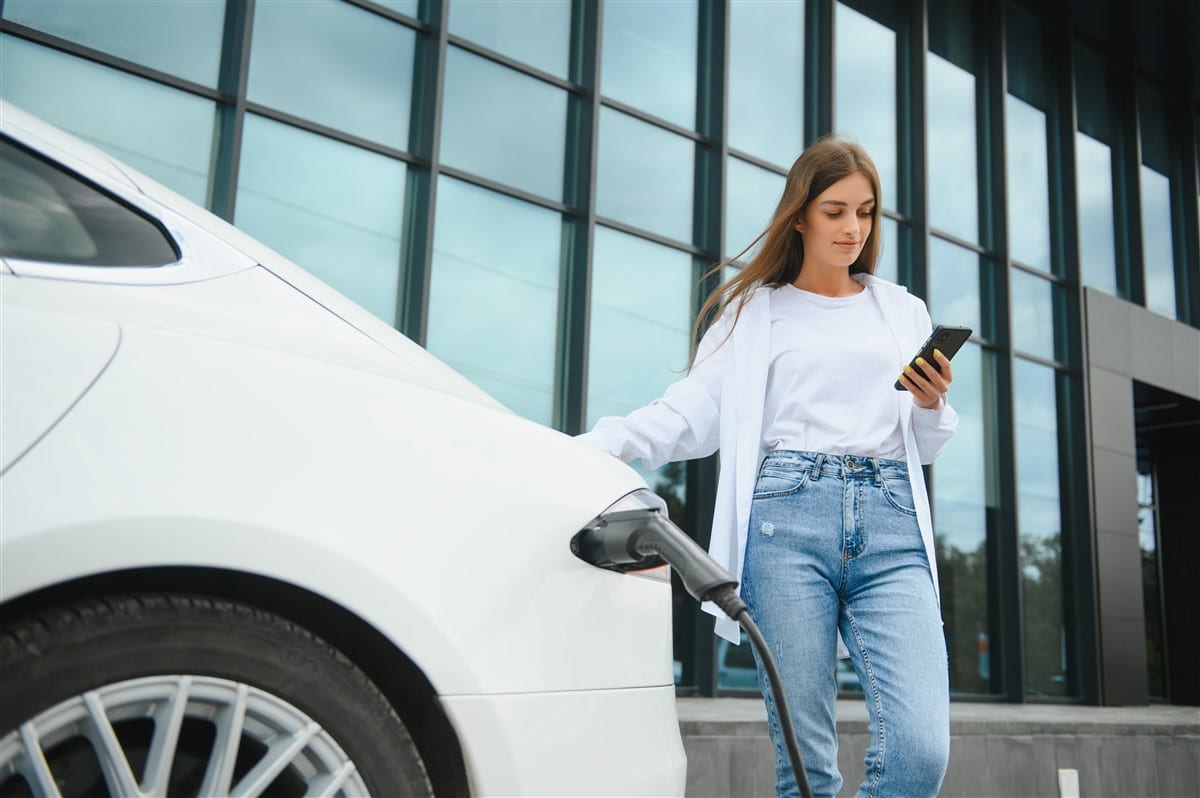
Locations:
(681, 425)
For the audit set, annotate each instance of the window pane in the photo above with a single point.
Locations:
(750, 202)
(334, 209)
(1028, 184)
(649, 57)
(954, 286)
(162, 132)
(534, 31)
(488, 246)
(503, 125)
(865, 96)
(1097, 242)
(336, 65)
(966, 510)
(51, 215)
(1039, 525)
(953, 179)
(639, 339)
(645, 176)
(888, 265)
(409, 7)
(1158, 252)
(1032, 304)
(766, 70)
(182, 37)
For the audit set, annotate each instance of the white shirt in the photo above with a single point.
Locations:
(831, 374)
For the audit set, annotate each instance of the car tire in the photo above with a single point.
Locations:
(104, 695)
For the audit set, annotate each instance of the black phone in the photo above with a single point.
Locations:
(945, 337)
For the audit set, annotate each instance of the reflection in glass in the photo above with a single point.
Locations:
(182, 37)
(644, 175)
(1158, 252)
(503, 125)
(334, 209)
(536, 32)
(162, 132)
(1028, 184)
(865, 92)
(493, 294)
(336, 65)
(1151, 589)
(965, 510)
(649, 57)
(1097, 242)
(1032, 306)
(752, 194)
(953, 294)
(1039, 526)
(953, 180)
(766, 70)
(888, 265)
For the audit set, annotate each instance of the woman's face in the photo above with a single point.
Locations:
(836, 224)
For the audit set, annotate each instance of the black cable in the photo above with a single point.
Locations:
(735, 608)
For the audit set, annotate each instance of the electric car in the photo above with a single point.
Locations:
(255, 541)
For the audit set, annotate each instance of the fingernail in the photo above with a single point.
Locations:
(937, 353)
(921, 361)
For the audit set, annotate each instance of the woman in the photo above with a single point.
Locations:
(821, 509)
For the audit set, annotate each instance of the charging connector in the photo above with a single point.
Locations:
(636, 534)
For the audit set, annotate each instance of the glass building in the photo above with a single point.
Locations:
(534, 190)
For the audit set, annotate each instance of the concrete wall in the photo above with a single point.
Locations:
(996, 750)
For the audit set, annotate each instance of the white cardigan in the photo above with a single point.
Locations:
(719, 406)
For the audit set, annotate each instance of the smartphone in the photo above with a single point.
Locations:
(944, 337)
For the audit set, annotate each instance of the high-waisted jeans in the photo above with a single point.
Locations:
(833, 546)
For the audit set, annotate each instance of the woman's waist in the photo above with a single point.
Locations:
(839, 464)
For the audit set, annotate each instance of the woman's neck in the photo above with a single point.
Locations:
(827, 282)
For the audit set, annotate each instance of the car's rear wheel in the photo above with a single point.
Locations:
(188, 695)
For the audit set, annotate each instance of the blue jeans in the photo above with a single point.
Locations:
(834, 545)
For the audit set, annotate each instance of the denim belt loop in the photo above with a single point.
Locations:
(878, 474)
(816, 472)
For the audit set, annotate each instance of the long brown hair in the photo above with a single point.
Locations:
(822, 164)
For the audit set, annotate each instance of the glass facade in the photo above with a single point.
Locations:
(445, 162)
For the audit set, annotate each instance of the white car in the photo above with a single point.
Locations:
(255, 541)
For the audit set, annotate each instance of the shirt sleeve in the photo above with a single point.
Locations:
(683, 424)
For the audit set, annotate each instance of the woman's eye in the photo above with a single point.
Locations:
(864, 214)
(834, 215)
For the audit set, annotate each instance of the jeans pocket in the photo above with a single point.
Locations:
(898, 492)
(775, 482)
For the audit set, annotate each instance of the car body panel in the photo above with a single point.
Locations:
(562, 729)
(49, 360)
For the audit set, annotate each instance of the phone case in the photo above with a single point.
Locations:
(949, 339)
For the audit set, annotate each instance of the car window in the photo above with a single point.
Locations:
(48, 214)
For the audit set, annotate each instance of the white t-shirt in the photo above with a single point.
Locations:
(830, 384)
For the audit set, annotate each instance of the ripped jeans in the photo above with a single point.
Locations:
(833, 546)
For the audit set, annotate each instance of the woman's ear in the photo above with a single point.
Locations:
(799, 226)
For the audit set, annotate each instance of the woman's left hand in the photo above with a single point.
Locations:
(928, 391)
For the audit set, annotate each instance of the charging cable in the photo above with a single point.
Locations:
(637, 535)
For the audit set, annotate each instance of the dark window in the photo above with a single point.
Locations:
(47, 214)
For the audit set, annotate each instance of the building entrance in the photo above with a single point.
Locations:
(1168, 456)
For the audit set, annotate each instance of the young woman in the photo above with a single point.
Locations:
(821, 508)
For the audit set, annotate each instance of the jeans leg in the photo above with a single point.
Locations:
(892, 625)
(786, 583)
